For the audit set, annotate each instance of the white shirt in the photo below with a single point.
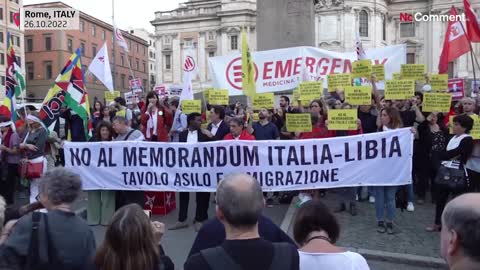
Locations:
(192, 136)
(215, 127)
(332, 261)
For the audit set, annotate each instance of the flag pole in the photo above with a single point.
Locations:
(473, 59)
(113, 45)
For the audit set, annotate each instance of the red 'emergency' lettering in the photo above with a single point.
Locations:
(335, 63)
(309, 63)
(267, 69)
(283, 71)
(298, 65)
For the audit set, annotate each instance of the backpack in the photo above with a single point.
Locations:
(401, 200)
(218, 259)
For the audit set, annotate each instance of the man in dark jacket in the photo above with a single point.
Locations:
(217, 125)
(193, 134)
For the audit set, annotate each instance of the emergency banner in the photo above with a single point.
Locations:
(284, 69)
(363, 160)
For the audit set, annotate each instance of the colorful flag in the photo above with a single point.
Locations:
(361, 55)
(100, 67)
(69, 90)
(473, 25)
(14, 80)
(248, 69)
(455, 44)
(190, 69)
(119, 38)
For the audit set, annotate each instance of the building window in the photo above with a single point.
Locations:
(384, 28)
(150, 54)
(3, 79)
(15, 1)
(151, 67)
(1, 13)
(188, 43)
(407, 30)
(144, 83)
(137, 64)
(363, 23)
(48, 43)
(122, 78)
(70, 45)
(137, 47)
(94, 51)
(211, 54)
(451, 69)
(211, 35)
(15, 40)
(234, 42)
(12, 15)
(1, 37)
(167, 40)
(29, 45)
(168, 61)
(410, 58)
(30, 72)
(82, 48)
(18, 60)
(2, 59)
(94, 30)
(104, 35)
(122, 61)
(82, 26)
(129, 61)
(48, 70)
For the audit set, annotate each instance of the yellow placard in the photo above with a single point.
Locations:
(396, 76)
(362, 69)
(338, 81)
(218, 97)
(265, 100)
(109, 96)
(191, 106)
(255, 117)
(345, 119)
(358, 95)
(379, 71)
(310, 90)
(414, 71)
(299, 122)
(399, 89)
(439, 82)
(436, 102)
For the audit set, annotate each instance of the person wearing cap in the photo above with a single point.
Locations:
(34, 148)
(10, 157)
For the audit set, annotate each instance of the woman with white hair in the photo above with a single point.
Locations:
(35, 164)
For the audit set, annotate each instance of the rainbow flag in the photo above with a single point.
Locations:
(14, 80)
(68, 91)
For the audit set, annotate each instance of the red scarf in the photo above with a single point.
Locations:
(6, 138)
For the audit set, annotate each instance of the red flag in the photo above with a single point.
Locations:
(455, 44)
(473, 28)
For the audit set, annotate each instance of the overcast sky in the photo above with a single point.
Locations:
(136, 13)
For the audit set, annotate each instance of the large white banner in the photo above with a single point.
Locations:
(377, 159)
(283, 69)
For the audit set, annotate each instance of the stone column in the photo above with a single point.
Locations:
(177, 52)
(201, 56)
(159, 59)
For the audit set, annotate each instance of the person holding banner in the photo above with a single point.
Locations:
(459, 149)
(263, 129)
(194, 134)
(180, 123)
(237, 132)
(10, 157)
(217, 125)
(34, 149)
(101, 203)
(156, 119)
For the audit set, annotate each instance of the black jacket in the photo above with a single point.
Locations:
(223, 130)
(201, 137)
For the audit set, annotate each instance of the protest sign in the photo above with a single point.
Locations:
(379, 71)
(283, 69)
(161, 90)
(255, 117)
(358, 95)
(475, 88)
(338, 81)
(364, 160)
(399, 89)
(135, 85)
(265, 100)
(414, 72)
(344, 119)
(310, 90)
(218, 97)
(396, 76)
(298, 122)
(456, 88)
(191, 106)
(131, 98)
(362, 69)
(109, 96)
(439, 82)
(436, 102)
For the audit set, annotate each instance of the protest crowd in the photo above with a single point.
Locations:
(47, 160)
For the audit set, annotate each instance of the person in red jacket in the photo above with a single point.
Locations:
(156, 119)
(237, 131)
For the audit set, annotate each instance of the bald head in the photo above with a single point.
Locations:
(462, 215)
(240, 199)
